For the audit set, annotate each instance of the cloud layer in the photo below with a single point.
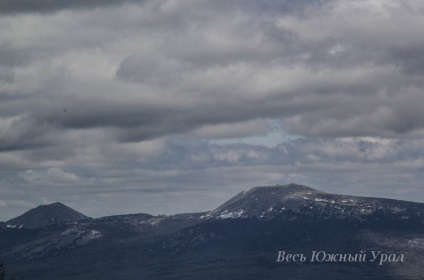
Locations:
(104, 90)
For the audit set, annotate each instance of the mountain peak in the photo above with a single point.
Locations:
(263, 198)
(272, 193)
(44, 215)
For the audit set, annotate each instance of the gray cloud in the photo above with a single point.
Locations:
(295, 63)
(132, 93)
(410, 59)
(48, 6)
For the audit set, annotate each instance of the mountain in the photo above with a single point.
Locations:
(240, 239)
(293, 200)
(45, 215)
(261, 202)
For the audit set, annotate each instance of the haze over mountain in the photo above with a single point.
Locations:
(238, 240)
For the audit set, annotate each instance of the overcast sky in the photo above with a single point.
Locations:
(172, 106)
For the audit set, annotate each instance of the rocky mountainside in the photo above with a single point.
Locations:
(238, 240)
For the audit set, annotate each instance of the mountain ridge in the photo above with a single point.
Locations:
(286, 200)
(238, 240)
(253, 202)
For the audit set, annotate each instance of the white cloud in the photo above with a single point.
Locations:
(50, 176)
(232, 130)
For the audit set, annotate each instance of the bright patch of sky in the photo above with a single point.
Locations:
(276, 134)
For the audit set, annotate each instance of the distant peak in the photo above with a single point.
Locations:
(53, 206)
(48, 214)
(59, 204)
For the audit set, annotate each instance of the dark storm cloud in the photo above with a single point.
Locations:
(411, 59)
(48, 6)
(9, 56)
(24, 135)
(6, 75)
